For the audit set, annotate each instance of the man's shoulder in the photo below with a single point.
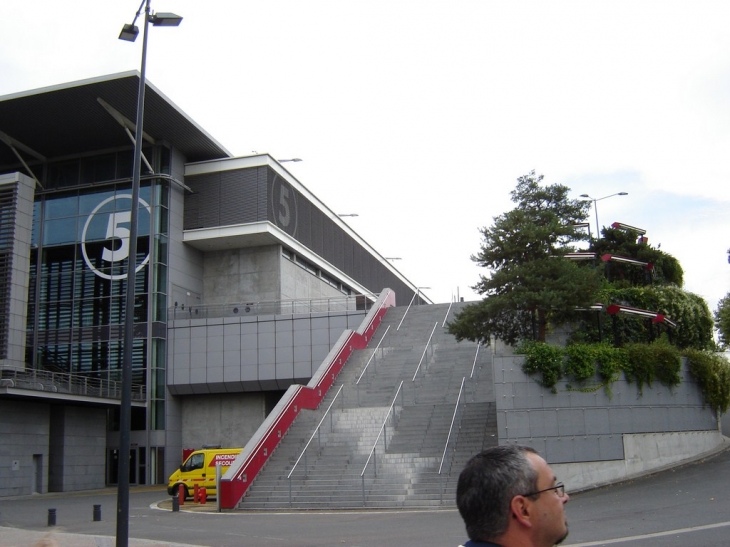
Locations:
(471, 543)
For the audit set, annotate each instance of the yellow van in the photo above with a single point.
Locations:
(199, 468)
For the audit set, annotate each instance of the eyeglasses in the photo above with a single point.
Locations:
(559, 490)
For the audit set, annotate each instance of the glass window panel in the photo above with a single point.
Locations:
(98, 168)
(117, 310)
(165, 156)
(160, 278)
(163, 194)
(57, 286)
(35, 234)
(91, 312)
(60, 231)
(61, 207)
(124, 164)
(158, 417)
(161, 248)
(159, 313)
(55, 315)
(63, 174)
(55, 358)
(88, 201)
(158, 353)
(162, 218)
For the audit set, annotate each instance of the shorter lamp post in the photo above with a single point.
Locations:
(595, 205)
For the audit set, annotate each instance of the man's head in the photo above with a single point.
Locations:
(508, 491)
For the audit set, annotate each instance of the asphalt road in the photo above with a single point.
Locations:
(685, 505)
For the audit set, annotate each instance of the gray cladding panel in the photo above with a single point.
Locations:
(589, 425)
(238, 199)
(252, 353)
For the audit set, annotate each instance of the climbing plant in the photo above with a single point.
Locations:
(712, 373)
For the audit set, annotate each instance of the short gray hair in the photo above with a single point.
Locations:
(487, 485)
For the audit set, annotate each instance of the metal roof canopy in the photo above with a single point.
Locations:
(68, 120)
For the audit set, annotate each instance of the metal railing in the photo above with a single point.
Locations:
(455, 425)
(372, 359)
(474, 365)
(273, 307)
(317, 431)
(428, 343)
(67, 383)
(384, 433)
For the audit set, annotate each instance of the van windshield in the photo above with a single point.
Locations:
(195, 461)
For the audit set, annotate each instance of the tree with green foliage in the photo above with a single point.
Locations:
(722, 320)
(531, 284)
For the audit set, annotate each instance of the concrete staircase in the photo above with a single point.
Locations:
(340, 469)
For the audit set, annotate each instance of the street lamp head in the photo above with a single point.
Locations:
(292, 159)
(165, 20)
(623, 193)
(129, 33)
(586, 196)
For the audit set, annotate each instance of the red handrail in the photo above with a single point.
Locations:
(240, 475)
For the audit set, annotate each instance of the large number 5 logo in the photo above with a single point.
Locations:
(117, 233)
(284, 205)
(114, 230)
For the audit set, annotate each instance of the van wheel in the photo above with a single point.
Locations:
(176, 489)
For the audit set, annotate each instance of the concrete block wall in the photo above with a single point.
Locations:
(24, 446)
(77, 448)
(226, 419)
(251, 353)
(576, 426)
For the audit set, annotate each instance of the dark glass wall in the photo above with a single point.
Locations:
(78, 275)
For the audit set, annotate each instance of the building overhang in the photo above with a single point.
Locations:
(73, 119)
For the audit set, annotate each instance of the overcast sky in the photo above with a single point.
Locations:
(420, 115)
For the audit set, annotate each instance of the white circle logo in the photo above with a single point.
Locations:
(115, 230)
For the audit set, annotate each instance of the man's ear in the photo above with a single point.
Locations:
(521, 509)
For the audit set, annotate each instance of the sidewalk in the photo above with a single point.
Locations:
(15, 537)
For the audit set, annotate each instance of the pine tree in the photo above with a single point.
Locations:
(531, 284)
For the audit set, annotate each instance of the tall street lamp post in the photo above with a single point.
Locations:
(129, 33)
(595, 206)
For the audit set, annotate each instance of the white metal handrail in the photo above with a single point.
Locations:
(372, 356)
(447, 314)
(473, 367)
(406, 312)
(451, 427)
(316, 431)
(424, 352)
(319, 438)
(457, 409)
(377, 439)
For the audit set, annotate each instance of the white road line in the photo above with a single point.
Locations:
(654, 535)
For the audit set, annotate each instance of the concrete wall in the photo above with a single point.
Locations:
(242, 275)
(24, 433)
(602, 437)
(77, 448)
(298, 283)
(185, 286)
(251, 353)
(644, 453)
(48, 448)
(228, 420)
